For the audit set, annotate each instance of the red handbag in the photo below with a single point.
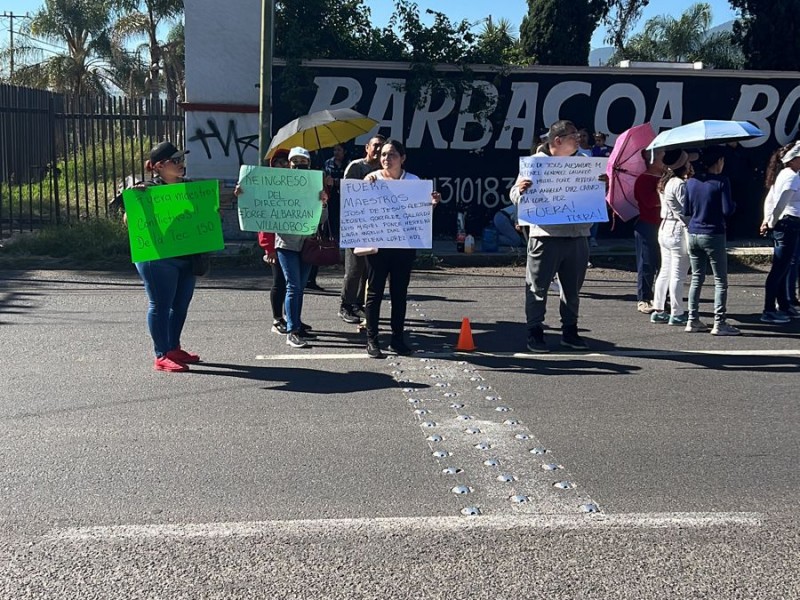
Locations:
(321, 249)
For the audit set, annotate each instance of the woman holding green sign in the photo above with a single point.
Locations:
(169, 282)
(295, 270)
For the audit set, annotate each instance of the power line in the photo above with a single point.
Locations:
(11, 16)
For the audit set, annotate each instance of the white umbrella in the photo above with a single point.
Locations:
(705, 133)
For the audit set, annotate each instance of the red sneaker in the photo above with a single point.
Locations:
(165, 363)
(182, 356)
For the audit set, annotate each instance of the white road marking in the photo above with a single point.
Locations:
(393, 524)
(549, 355)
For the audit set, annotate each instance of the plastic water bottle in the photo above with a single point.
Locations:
(469, 244)
(489, 239)
(460, 234)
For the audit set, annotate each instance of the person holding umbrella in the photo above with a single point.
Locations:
(782, 216)
(286, 249)
(645, 232)
(708, 204)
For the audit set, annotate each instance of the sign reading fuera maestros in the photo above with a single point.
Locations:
(386, 214)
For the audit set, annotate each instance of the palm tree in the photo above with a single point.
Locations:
(685, 39)
(81, 27)
(497, 43)
(141, 19)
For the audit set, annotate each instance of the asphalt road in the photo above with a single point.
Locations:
(660, 464)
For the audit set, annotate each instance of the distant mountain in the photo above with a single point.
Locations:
(598, 57)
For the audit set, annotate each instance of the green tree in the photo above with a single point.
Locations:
(557, 32)
(496, 44)
(141, 20)
(621, 19)
(685, 39)
(325, 29)
(82, 28)
(768, 32)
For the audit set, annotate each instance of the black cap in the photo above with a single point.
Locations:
(712, 154)
(165, 151)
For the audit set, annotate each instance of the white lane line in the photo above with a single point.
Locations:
(531, 356)
(410, 524)
(308, 356)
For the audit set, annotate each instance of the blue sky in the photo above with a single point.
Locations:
(474, 10)
(514, 10)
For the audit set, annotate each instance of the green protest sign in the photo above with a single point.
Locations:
(173, 220)
(279, 200)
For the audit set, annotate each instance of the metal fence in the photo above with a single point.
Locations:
(64, 159)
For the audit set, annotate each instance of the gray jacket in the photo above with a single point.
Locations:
(289, 241)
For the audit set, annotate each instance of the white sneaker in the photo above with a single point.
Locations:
(722, 328)
(645, 306)
(696, 326)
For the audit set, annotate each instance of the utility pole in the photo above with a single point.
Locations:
(11, 16)
(265, 82)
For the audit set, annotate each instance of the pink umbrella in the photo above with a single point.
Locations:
(624, 165)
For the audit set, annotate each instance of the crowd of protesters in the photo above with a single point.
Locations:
(683, 198)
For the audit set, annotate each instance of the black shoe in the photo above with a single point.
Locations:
(313, 285)
(374, 350)
(279, 326)
(347, 315)
(359, 311)
(536, 341)
(571, 339)
(295, 341)
(305, 328)
(398, 346)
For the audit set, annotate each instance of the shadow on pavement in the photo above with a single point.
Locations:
(304, 381)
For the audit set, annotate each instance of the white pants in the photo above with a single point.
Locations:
(674, 265)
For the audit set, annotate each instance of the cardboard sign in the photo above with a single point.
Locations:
(386, 213)
(279, 200)
(173, 220)
(565, 190)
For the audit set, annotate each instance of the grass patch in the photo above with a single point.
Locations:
(91, 243)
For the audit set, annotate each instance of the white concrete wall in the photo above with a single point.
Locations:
(223, 51)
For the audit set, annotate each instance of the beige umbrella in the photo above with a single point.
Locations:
(322, 129)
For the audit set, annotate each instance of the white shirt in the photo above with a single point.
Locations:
(782, 199)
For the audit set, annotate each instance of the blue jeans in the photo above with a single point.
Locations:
(169, 283)
(705, 248)
(296, 273)
(792, 276)
(776, 287)
(648, 257)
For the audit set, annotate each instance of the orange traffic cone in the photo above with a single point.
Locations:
(465, 342)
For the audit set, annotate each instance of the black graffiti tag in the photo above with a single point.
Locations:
(242, 144)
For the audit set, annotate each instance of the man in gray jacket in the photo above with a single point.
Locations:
(561, 250)
(355, 267)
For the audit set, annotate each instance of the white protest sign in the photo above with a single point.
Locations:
(386, 213)
(565, 189)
